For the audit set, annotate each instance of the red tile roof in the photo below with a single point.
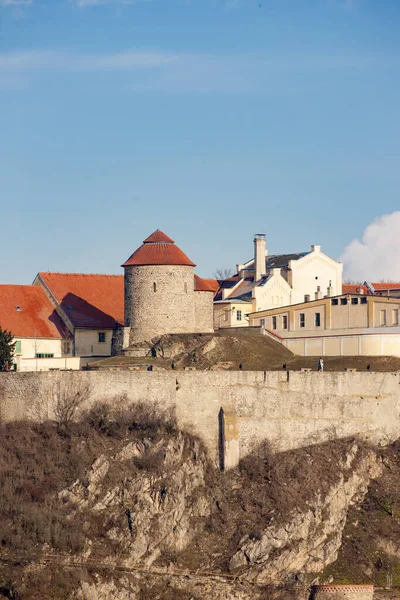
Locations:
(386, 286)
(34, 317)
(158, 249)
(158, 236)
(354, 288)
(94, 301)
(205, 285)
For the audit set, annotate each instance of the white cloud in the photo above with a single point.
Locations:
(377, 255)
(84, 3)
(17, 3)
(164, 71)
(19, 61)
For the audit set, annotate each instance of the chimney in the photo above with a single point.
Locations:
(259, 255)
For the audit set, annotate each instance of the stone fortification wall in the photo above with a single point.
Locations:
(289, 410)
(203, 312)
(159, 300)
(342, 592)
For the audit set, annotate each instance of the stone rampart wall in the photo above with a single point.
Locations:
(289, 410)
(342, 592)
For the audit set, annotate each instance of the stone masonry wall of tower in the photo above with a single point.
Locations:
(159, 299)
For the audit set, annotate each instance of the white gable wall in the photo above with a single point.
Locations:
(275, 292)
(313, 270)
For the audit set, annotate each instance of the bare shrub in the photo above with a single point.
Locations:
(69, 395)
(122, 419)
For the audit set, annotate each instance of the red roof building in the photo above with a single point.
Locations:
(26, 311)
(89, 301)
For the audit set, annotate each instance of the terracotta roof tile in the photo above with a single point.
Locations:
(158, 249)
(354, 288)
(158, 236)
(386, 286)
(95, 301)
(26, 311)
(205, 285)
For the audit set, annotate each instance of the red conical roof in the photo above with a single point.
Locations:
(158, 249)
(158, 236)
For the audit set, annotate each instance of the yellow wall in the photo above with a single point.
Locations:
(87, 342)
(32, 346)
(53, 364)
(333, 316)
(226, 314)
(388, 306)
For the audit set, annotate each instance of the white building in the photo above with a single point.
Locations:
(270, 281)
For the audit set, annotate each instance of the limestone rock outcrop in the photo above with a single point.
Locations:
(155, 519)
(309, 539)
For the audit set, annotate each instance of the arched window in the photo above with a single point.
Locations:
(154, 287)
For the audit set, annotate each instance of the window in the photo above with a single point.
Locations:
(102, 337)
(335, 302)
(317, 319)
(18, 346)
(262, 322)
(363, 301)
(273, 322)
(284, 321)
(343, 301)
(382, 318)
(154, 287)
(354, 300)
(302, 320)
(43, 355)
(238, 315)
(185, 288)
(396, 316)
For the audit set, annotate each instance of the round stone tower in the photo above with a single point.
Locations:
(159, 290)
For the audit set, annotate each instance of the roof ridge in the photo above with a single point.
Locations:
(83, 274)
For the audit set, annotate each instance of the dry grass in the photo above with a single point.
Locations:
(254, 352)
(37, 461)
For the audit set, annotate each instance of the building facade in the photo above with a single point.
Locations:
(90, 306)
(268, 281)
(349, 324)
(40, 337)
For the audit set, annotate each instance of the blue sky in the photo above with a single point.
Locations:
(208, 119)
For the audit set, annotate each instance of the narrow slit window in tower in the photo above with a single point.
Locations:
(154, 287)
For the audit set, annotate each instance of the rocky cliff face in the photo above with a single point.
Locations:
(162, 520)
(157, 521)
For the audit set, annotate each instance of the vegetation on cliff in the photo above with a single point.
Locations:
(123, 505)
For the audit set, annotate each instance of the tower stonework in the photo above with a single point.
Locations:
(159, 290)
